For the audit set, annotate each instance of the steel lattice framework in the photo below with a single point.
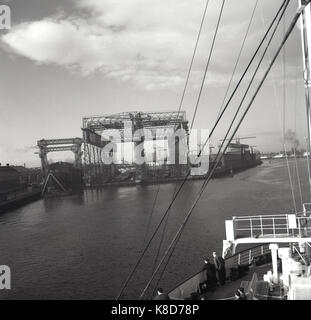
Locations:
(56, 145)
(138, 120)
(99, 130)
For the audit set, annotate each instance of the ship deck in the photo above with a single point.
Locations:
(227, 291)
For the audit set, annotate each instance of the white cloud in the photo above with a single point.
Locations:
(145, 41)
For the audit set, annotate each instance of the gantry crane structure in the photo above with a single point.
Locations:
(55, 145)
(98, 131)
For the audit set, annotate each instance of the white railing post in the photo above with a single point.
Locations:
(251, 224)
(239, 258)
(261, 250)
(249, 256)
(287, 229)
(261, 225)
(274, 255)
(299, 229)
(273, 227)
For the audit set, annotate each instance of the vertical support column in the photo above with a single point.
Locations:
(99, 150)
(94, 171)
(85, 155)
(89, 164)
(139, 152)
(153, 171)
(78, 156)
(154, 142)
(44, 162)
(113, 155)
(99, 164)
(168, 162)
(274, 253)
(177, 151)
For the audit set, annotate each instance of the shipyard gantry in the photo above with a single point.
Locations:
(57, 145)
(134, 129)
(139, 147)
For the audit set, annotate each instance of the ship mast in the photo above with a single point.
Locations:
(305, 21)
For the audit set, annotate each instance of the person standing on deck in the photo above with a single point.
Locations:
(210, 273)
(220, 268)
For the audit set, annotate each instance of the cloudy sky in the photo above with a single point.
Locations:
(65, 59)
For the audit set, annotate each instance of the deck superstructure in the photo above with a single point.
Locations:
(289, 240)
(274, 265)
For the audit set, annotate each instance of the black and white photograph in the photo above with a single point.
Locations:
(155, 150)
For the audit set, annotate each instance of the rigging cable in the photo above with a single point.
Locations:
(307, 91)
(284, 123)
(238, 58)
(221, 108)
(209, 177)
(295, 129)
(153, 207)
(195, 112)
(193, 57)
(178, 113)
(183, 182)
(289, 31)
(208, 63)
(307, 94)
(179, 109)
(244, 73)
(235, 116)
(298, 178)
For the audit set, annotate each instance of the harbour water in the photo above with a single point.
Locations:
(83, 247)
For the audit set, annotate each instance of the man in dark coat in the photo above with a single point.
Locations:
(161, 296)
(210, 273)
(220, 268)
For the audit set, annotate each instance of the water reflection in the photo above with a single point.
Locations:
(55, 204)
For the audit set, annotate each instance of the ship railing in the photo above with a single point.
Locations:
(246, 257)
(194, 282)
(272, 226)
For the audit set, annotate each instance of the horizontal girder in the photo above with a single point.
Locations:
(48, 142)
(155, 124)
(138, 120)
(64, 148)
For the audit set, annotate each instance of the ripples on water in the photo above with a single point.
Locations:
(83, 247)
